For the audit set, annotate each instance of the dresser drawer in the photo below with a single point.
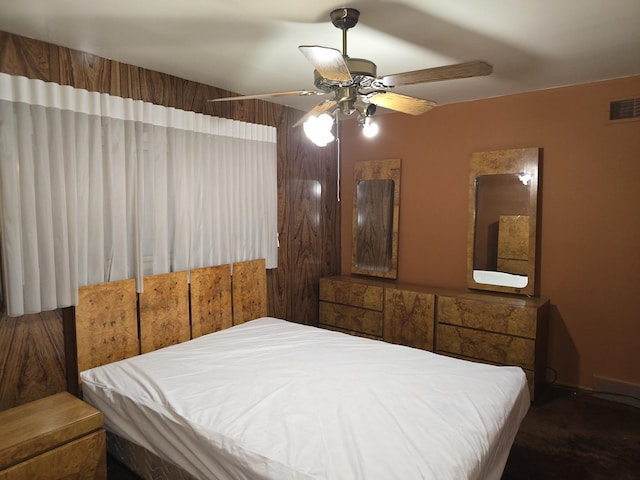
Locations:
(409, 318)
(486, 346)
(354, 294)
(506, 318)
(351, 318)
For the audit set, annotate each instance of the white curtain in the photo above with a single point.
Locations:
(95, 188)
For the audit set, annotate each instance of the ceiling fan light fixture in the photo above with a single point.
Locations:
(370, 128)
(365, 120)
(355, 81)
(319, 129)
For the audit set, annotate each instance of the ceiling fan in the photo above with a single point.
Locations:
(354, 81)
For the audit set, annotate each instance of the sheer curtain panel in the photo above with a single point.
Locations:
(95, 188)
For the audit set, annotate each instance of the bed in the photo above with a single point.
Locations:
(267, 398)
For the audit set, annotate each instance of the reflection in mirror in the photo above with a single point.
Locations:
(502, 229)
(503, 234)
(375, 222)
(375, 218)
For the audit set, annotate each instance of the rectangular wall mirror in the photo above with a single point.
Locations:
(376, 209)
(503, 218)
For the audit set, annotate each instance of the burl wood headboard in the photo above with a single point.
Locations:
(112, 322)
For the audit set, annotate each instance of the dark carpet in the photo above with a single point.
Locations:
(569, 435)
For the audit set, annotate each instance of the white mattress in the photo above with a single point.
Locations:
(271, 399)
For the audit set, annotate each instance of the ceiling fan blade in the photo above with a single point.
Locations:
(317, 110)
(401, 103)
(328, 62)
(448, 72)
(298, 93)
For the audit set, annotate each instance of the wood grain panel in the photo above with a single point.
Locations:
(28, 57)
(38, 426)
(493, 316)
(309, 212)
(513, 237)
(513, 244)
(106, 311)
(308, 207)
(352, 293)
(88, 72)
(409, 318)
(164, 311)
(31, 357)
(373, 245)
(351, 318)
(249, 286)
(350, 332)
(383, 261)
(210, 300)
(81, 459)
(510, 265)
(492, 347)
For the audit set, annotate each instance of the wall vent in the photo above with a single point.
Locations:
(624, 109)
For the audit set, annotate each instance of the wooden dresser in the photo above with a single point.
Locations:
(378, 309)
(497, 329)
(56, 437)
(483, 327)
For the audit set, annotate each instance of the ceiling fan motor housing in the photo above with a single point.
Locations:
(363, 73)
(361, 67)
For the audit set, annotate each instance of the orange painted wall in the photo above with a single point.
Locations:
(590, 265)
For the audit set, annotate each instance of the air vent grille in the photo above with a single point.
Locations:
(624, 109)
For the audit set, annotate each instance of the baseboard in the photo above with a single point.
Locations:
(604, 388)
(616, 390)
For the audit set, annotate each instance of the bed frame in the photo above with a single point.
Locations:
(112, 322)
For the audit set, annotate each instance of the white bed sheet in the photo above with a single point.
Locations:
(271, 399)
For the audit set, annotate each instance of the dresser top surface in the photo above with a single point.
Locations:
(481, 296)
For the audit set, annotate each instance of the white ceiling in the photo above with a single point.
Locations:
(250, 46)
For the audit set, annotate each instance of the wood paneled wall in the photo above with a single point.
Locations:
(31, 352)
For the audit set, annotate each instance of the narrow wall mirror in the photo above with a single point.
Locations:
(376, 208)
(503, 213)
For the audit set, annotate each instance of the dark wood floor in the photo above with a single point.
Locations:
(565, 436)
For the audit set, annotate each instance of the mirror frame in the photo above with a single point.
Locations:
(501, 162)
(377, 170)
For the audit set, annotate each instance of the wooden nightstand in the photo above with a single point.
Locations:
(55, 437)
